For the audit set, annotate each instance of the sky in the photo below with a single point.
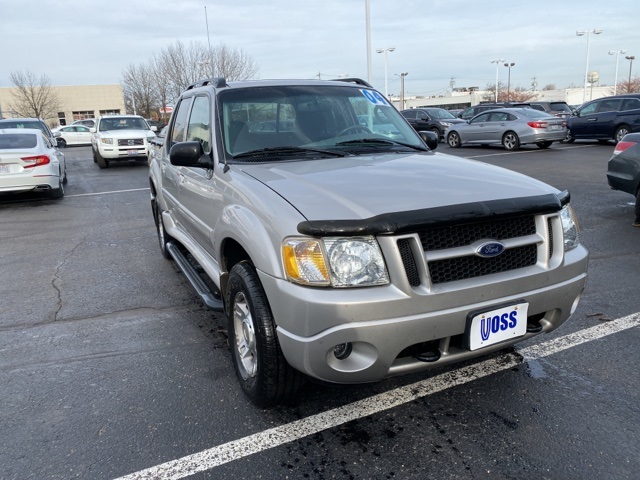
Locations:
(437, 42)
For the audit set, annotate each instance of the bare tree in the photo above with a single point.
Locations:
(232, 64)
(32, 96)
(549, 86)
(629, 87)
(517, 94)
(138, 89)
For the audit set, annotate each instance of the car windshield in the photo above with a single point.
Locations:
(535, 114)
(123, 123)
(319, 120)
(23, 124)
(18, 140)
(439, 113)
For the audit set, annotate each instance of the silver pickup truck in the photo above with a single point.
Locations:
(340, 246)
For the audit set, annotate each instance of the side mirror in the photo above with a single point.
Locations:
(56, 134)
(154, 129)
(189, 154)
(431, 139)
(93, 130)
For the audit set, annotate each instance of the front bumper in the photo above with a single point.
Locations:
(114, 152)
(382, 322)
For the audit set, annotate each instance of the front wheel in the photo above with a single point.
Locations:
(621, 132)
(453, 139)
(163, 236)
(438, 134)
(510, 141)
(264, 374)
(100, 160)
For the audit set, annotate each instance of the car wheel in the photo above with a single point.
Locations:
(621, 132)
(438, 134)
(545, 144)
(65, 179)
(453, 139)
(58, 193)
(95, 159)
(163, 236)
(62, 143)
(101, 161)
(510, 141)
(264, 374)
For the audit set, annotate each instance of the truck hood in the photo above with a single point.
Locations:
(373, 186)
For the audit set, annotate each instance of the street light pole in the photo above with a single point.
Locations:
(385, 50)
(509, 65)
(617, 54)
(588, 33)
(497, 62)
(367, 8)
(631, 58)
(402, 75)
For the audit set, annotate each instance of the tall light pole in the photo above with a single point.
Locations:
(402, 75)
(588, 33)
(385, 50)
(617, 54)
(631, 58)
(497, 62)
(367, 8)
(509, 65)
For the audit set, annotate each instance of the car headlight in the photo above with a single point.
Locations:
(107, 141)
(569, 228)
(336, 261)
(446, 124)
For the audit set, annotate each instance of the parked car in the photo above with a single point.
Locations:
(623, 169)
(351, 254)
(470, 112)
(156, 143)
(38, 123)
(509, 127)
(30, 161)
(605, 119)
(155, 123)
(436, 120)
(87, 122)
(120, 137)
(557, 109)
(73, 135)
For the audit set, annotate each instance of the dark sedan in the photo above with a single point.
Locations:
(436, 120)
(623, 170)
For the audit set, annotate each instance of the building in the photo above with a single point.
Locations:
(464, 99)
(77, 102)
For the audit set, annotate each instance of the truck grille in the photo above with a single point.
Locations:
(130, 142)
(455, 267)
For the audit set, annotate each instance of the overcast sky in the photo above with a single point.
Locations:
(79, 42)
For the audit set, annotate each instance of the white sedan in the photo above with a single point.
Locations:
(73, 135)
(29, 161)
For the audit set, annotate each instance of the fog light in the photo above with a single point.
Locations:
(342, 351)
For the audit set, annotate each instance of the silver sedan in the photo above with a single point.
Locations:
(509, 127)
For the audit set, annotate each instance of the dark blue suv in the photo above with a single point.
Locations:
(604, 119)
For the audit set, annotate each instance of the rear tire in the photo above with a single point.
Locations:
(453, 139)
(510, 141)
(262, 371)
(57, 193)
(621, 132)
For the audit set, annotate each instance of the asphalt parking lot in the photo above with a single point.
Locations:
(111, 368)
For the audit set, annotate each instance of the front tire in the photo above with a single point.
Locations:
(438, 134)
(100, 160)
(510, 141)
(453, 139)
(163, 236)
(264, 374)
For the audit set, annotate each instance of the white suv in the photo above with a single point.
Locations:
(120, 137)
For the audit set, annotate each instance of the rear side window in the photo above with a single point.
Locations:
(630, 104)
(18, 140)
(609, 106)
(180, 123)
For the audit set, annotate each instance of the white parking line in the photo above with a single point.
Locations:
(520, 152)
(107, 193)
(277, 436)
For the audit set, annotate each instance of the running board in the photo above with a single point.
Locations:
(205, 293)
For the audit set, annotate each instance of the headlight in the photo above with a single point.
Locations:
(336, 261)
(445, 124)
(108, 141)
(569, 228)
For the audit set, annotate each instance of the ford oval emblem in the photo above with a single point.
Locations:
(490, 249)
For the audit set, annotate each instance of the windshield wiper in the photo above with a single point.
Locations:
(288, 150)
(380, 141)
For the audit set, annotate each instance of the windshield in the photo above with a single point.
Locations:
(439, 113)
(329, 118)
(123, 123)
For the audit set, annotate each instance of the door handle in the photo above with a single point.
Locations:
(592, 119)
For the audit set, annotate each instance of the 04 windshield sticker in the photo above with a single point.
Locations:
(374, 97)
